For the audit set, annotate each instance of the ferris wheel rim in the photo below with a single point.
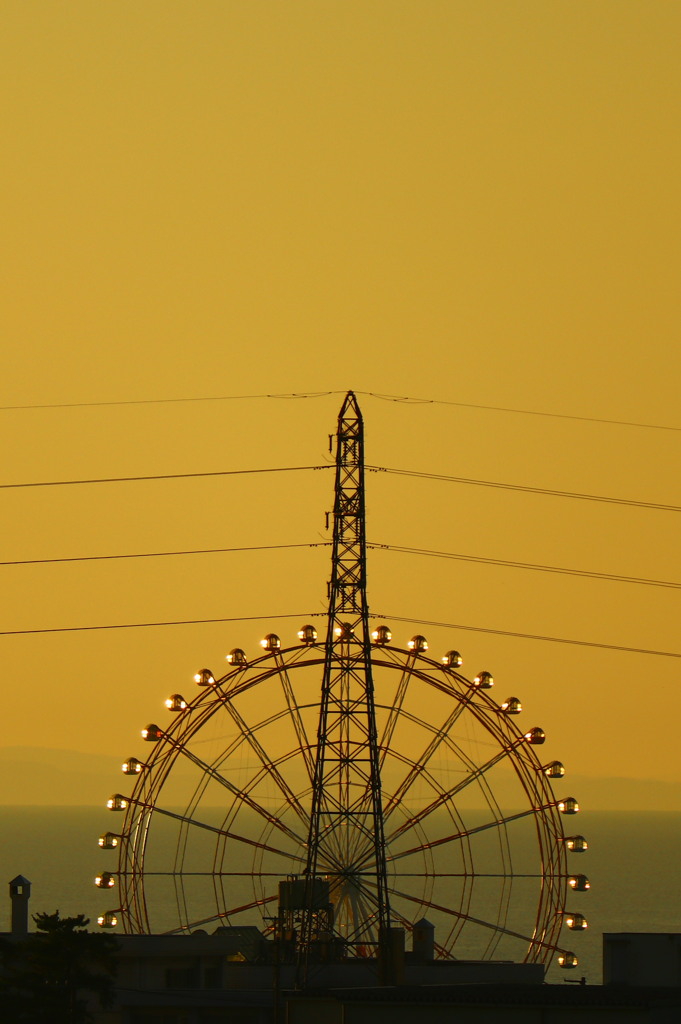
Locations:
(232, 684)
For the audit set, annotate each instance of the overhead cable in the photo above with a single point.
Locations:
(521, 412)
(398, 548)
(419, 474)
(147, 625)
(404, 399)
(528, 636)
(479, 559)
(164, 554)
(316, 615)
(168, 401)
(162, 476)
(423, 475)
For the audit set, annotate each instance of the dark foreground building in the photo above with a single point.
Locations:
(236, 976)
(487, 1004)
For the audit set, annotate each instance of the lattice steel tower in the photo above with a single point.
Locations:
(346, 814)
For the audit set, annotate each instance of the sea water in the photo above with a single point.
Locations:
(632, 862)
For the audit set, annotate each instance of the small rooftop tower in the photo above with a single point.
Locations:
(423, 941)
(20, 893)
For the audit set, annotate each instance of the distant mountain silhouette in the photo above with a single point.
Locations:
(33, 775)
(36, 776)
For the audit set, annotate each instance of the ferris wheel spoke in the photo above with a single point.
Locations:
(233, 911)
(351, 827)
(267, 763)
(330, 852)
(241, 794)
(443, 798)
(473, 874)
(357, 886)
(208, 874)
(394, 712)
(296, 717)
(469, 918)
(228, 834)
(335, 853)
(457, 836)
(361, 847)
(365, 919)
(360, 920)
(419, 766)
(222, 914)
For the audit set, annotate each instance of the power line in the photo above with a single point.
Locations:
(147, 625)
(316, 615)
(529, 636)
(479, 559)
(164, 554)
(521, 412)
(397, 548)
(522, 488)
(167, 401)
(404, 399)
(161, 476)
(373, 469)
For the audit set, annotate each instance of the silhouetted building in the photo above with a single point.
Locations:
(642, 958)
(20, 894)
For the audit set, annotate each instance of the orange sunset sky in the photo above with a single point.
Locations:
(475, 203)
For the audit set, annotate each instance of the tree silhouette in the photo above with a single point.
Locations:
(47, 977)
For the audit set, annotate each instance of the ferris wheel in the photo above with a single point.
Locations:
(344, 785)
